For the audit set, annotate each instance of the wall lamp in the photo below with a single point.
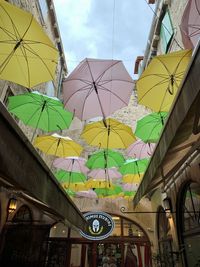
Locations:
(12, 205)
(167, 206)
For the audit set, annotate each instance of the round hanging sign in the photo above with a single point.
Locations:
(99, 225)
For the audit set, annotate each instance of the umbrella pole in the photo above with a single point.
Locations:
(43, 106)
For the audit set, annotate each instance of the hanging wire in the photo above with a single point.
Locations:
(163, 24)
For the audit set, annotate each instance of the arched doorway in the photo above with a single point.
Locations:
(23, 241)
(188, 218)
(127, 246)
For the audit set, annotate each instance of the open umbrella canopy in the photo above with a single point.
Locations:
(74, 186)
(108, 133)
(158, 84)
(87, 194)
(116, 190)
(140, 150)
(132, 166)
(97, 183)
(70, 192)
(97, 87)
(72, 164)
(107, 173)
(149, 127)
(40, 111)
(132, 178)
(105, 158)
(130, 187)
(190, 24)
(28, 57)
(58, 145)
(70, 177)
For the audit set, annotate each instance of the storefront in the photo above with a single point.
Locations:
(128, 245)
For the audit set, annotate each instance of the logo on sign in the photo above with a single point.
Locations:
(100, 225)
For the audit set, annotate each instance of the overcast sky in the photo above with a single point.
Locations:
(87, 29)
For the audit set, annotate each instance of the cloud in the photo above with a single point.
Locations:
(87, 29)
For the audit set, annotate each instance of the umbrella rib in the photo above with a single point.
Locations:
(105, 89)
(186, 54)
(23, 50)
(12, 22)
(149, 90)
(34, 53)
(59, 114)
(74, 93)
(101, 75)
(6, 61)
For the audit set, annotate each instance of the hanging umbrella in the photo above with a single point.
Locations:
(128, 187)
(105, 158)
(140, 150)
(87, 194)
(107, 174)
(58, 145)
(97, 87)
(116, 190)
(158, 84)
(70, 177)
(28, 57)
(132, 178)
(94, 183)
(73, 164)
(149, 127)
(190, 24)
(70, 192)
(132, 166)
(108, 133)
(129, 194)
(40, 111)
(74, 186)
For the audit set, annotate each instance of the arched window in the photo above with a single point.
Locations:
(23, 215)
(165, 257)
(189, 217)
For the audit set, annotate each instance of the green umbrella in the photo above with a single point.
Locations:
(70, 177)
(149, 127)
(132, 166)
(108, 192)
(40, 111)
(70, 192)
(106, 158)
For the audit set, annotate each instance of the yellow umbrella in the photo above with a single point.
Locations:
(58, 145)
(108, 133)
(132, 178)
(158, 84)
(75, 186)
(28, 57)
(93, 183)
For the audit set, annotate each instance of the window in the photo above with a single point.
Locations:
(23, 215)
(189, 212)
(166, 32)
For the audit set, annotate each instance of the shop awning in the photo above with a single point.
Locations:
(180, 137)
(21, 168)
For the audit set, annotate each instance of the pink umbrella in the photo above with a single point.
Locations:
(111, 173)
(72, 164)
(190, 24)
(140, 150)
(97, 87)
(130, 187)
(88, 194)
